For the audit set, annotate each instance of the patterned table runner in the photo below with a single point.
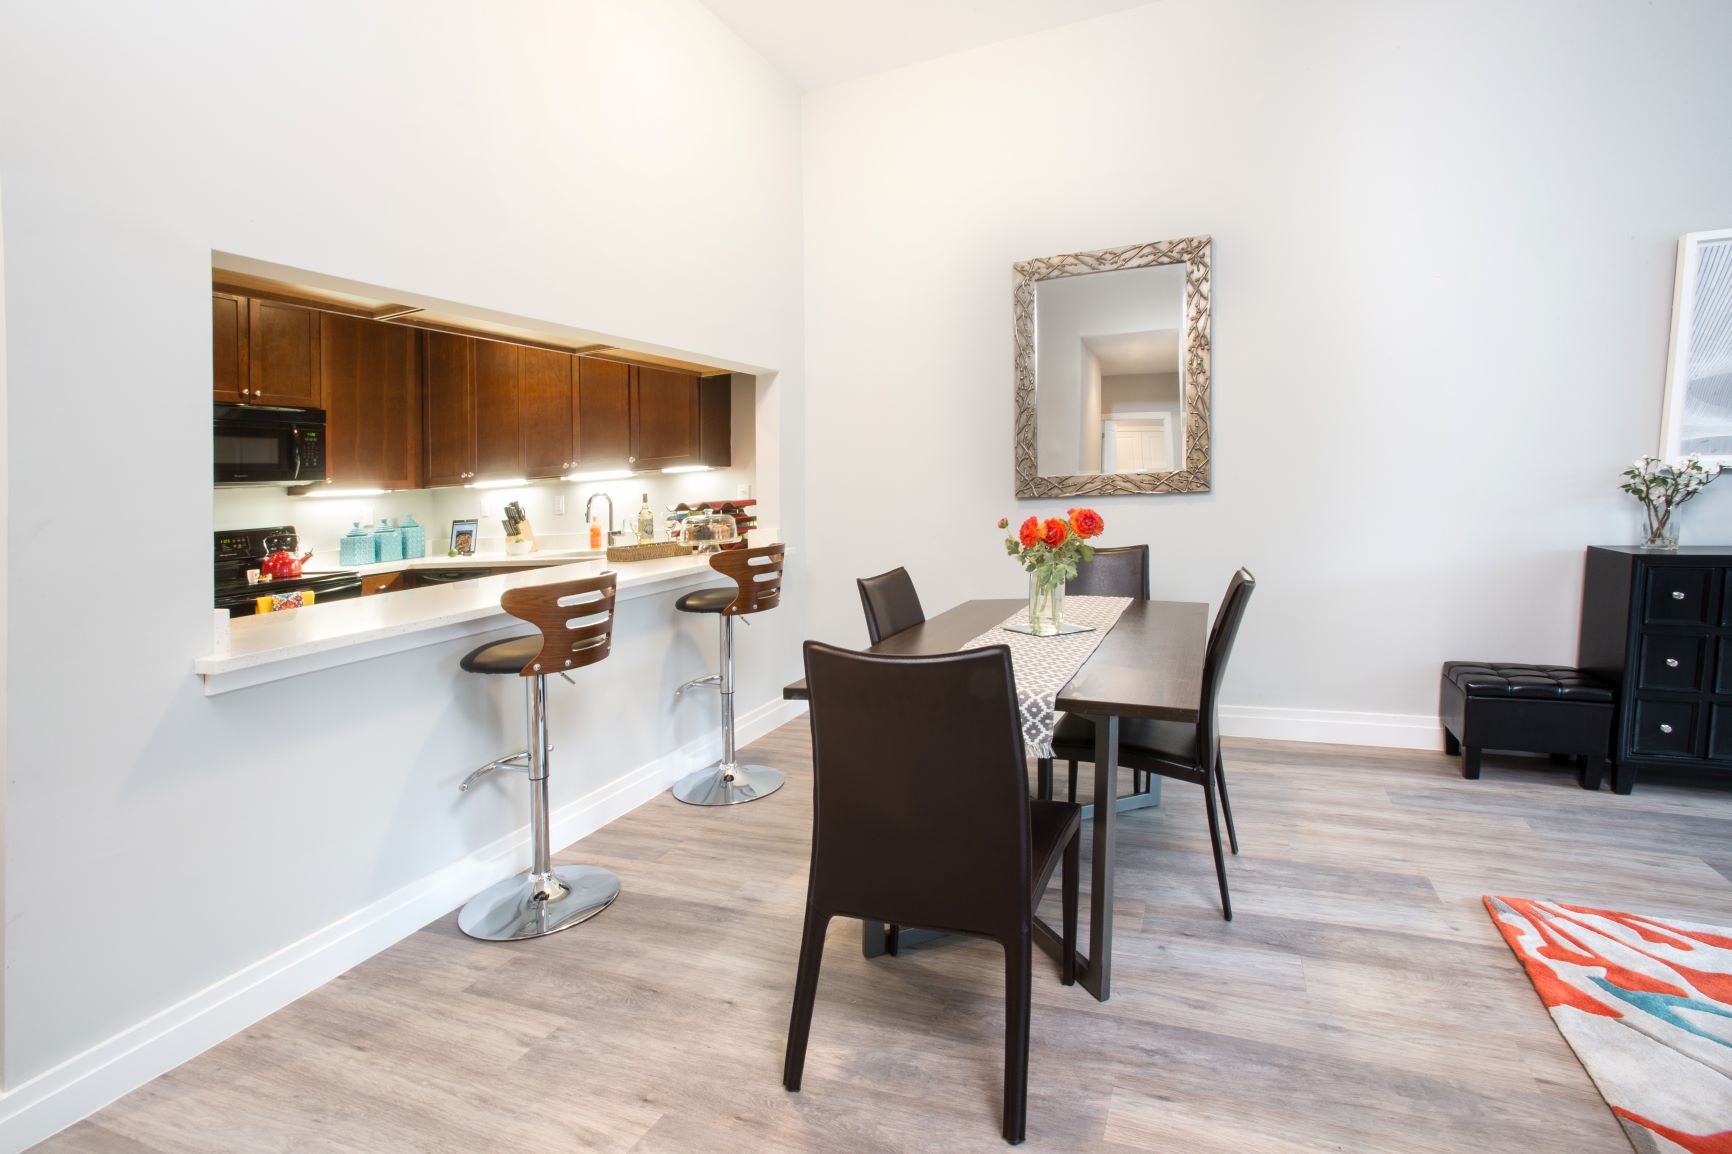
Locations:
(1044, 665)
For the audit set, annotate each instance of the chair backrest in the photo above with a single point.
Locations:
(575, 619)
(890, 602)
(1121, 571)
(757, 573)
(920, 792)
(1221, 637)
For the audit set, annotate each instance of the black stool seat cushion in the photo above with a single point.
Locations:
(1495, 679)
(508, 656)
(706, 601)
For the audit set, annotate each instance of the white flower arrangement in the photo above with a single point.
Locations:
(1662, 486)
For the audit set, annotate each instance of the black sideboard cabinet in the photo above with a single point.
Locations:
(1659, 627)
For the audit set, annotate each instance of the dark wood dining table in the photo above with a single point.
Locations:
(1149, 665)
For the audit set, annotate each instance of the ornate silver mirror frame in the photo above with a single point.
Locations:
(1194, 253)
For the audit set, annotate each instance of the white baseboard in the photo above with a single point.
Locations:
(1391, 730)
(83, 1084)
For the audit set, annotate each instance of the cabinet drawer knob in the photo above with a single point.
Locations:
(1677, 594)
(1671, 662)
(1664, 728)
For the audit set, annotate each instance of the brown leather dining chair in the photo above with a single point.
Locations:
(921, 817)
(1179, 749)
(890, 603)
(1115, 571)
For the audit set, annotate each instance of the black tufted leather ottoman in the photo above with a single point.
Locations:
(1531, 708)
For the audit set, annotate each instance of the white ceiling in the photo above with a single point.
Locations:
(1156, 351)
(823, 42)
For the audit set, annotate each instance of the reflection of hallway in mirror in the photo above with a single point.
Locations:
(1137, 444)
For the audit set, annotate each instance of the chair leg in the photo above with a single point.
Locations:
(892, 940)
(1018, 963)
(805, 994)
(1470, 762)
(1072, 876)
(1215, 839)
(1226, 805)
(1593, 771)
(1072, 782)
(1450, 745)
(1043, 779)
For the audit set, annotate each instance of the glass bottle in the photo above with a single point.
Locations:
(646, 523)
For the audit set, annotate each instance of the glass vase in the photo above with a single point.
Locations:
(1045, 605)
(1660, 535)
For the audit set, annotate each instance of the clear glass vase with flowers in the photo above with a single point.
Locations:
(1662, 487)
(1050, 550)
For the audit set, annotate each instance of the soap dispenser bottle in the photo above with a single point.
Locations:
(646, 523)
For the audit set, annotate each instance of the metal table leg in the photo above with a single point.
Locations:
(1094, 972)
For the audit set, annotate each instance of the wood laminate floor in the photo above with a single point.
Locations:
(1361, 1000)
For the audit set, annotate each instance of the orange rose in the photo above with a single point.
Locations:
(1087, 523)
(1053, 532)
(1029, 533)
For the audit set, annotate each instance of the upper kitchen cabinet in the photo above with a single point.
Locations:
(449, 425)
(498, 414)
(545, 401)
(229, 357)
(679, 419)
(372, 381)
(282, 356)
(602, 412)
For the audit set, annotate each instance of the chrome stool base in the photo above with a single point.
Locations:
(728, 785)
(520, 907)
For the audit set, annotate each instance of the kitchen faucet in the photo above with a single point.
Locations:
(608, 540)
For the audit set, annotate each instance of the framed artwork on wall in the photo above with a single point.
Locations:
(1698, 413)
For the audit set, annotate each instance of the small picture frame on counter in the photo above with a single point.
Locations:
(463, 537)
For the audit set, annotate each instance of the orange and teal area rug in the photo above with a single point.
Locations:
(1647, 1006)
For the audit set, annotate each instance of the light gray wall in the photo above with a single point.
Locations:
(1444, 238)
(631, 169)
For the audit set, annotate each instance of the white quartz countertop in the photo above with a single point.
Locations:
(271, 646)
(323, 563)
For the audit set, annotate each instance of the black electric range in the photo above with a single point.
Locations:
(238, 550)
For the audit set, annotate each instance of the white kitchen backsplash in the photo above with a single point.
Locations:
(322, 520)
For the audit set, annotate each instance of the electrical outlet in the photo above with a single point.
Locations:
(743, 491)
(559, 505)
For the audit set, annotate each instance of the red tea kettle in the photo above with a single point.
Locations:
(279, 563)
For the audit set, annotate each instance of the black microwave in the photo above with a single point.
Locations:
(269, 445)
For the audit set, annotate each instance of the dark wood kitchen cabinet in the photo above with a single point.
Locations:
(545, 399)
(602, 410)
(498, 421)
(1658, 626)
(372, 381)
(679, 419)
(228, 315)
(448, 429)
(282, 356)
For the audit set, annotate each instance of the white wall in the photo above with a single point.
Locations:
(624, 167)
(1444, 238)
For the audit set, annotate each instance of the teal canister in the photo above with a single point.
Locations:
(414, 538)
(387, 542)
(356, 546)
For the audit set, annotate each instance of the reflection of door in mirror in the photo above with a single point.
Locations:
(1109, 348)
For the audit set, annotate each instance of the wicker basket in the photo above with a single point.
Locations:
(654, 551)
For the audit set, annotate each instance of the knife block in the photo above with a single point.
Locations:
(525, 536)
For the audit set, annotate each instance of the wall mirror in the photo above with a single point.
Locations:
(1112, 371)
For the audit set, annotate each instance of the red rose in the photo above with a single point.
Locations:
(1004, 522)
(1087, 523)
(1029, 533)
(1053, 532)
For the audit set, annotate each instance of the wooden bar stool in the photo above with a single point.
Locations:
(574, 623)
(757, 577)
